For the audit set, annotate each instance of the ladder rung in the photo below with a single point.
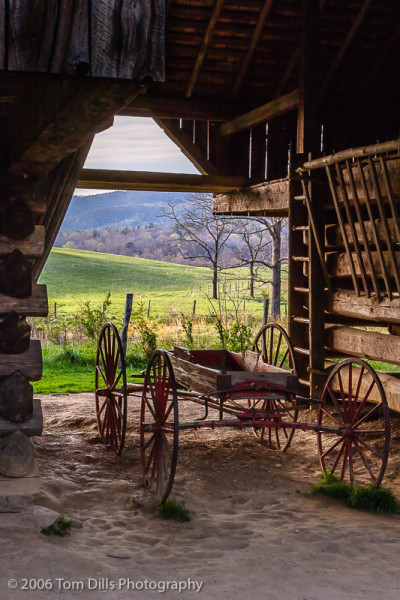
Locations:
(304, 382)
(302, 290)
(300, 259)
(304, 351)
(300, 228)
(301, 197)
(301, 320)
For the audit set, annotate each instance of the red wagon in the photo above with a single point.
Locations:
(256, 389)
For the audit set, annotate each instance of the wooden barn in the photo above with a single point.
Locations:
(286, 107)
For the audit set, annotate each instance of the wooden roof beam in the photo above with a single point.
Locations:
(203, 49)
(186, 145)
(262, 113)
(253, 45)
(362, 13)
(100, 179)
(177, 108)
(293, 62)
(90, 110)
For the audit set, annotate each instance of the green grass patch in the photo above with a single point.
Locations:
(61, 528)
(75, 276)
(331, 486)
(170, 509)
(373, 499)
(369, 497)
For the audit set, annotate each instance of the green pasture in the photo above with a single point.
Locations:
(75, 276)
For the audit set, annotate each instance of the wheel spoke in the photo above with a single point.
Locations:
(284, 358)
(102, 407)
(372, 450)
(331, 416)
(331, 448)
(102, 375)
(367, 416)
(361, 453)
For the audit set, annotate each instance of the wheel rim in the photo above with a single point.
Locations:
(274, 345)
(159, 408)
(111, 392)
(360, 453)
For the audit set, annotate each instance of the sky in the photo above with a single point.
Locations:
(135, 144)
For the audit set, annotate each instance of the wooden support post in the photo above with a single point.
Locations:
(148, 308)
(194, 307)
(125, 323)
(308, 141)
(265, 311)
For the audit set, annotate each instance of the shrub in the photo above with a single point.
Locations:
(61, 527)
(170, 509)
(90, 320)
(331, 486)
(378, 500)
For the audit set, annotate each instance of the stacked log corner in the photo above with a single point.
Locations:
(21, 240)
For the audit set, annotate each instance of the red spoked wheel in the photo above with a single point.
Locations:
(159, 425)
(110, 386)
(274, 345)
(359, 451)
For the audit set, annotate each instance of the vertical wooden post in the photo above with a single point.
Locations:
(125, 323)
(194, 307)
(55, 310)
(265, 311)
(148, 308)
(308, 142)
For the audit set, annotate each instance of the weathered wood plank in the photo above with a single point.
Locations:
(87, 112)
(334, 238)
(144, 180)
(348, 304)
(105, 38)
(269, 198)
(34, 306)
(365, 344)
(31, 427)
(29, 362)
(32, 246)
(339, 264)
(177, 108)
(262, 113)
(124, 35)
(391, 385)
(194, 376)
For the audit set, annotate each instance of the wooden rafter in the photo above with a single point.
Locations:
(90, 110)
(253, 45)
(177, 108)
(293, 62)
(355, 26)
(185, 144)
(101, 179)
(204, 46)
(376, 66)
(262, 113)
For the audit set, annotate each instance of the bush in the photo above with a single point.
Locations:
(170, 509)
(331, 486)
(90, 320)
(378, 500)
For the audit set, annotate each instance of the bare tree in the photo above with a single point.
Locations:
(201, 234)
(262, 246)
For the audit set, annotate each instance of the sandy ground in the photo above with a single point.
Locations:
(252, 534)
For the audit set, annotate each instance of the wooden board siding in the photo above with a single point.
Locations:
(105, 38)
(270, 198)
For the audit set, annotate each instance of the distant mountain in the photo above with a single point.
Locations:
(117, 209)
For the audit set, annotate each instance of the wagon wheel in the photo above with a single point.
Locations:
(159, 410)
(110, 386)
(359, 451)
(275, 347)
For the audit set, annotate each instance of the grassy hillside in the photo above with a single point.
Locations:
(74, 276)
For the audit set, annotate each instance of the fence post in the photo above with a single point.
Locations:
(194, 307)
(148, 308)
(125, 322)
(244, 306)
(55, 310)
(265, 311)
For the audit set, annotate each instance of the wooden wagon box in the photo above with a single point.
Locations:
(214, 370)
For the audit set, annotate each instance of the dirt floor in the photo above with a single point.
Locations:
(252, 534)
